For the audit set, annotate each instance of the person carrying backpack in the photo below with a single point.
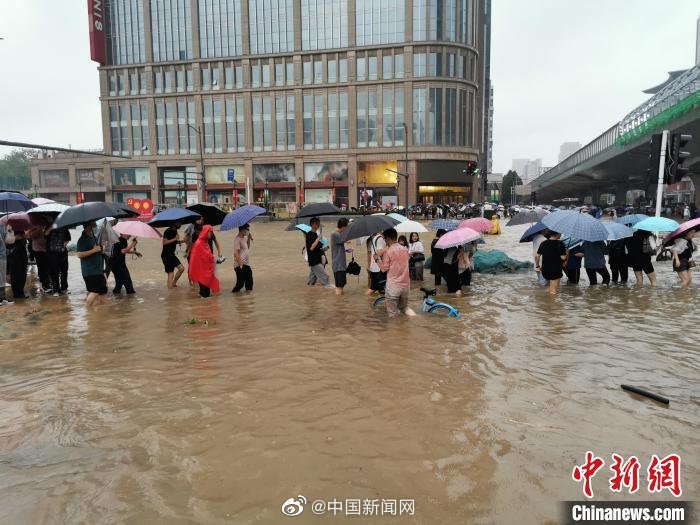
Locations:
(640, 248)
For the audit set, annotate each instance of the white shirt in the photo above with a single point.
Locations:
(377, 243)
(536, 241)
(416, 247)
(680, 245)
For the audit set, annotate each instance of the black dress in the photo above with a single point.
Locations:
(437, 260)
(551, 252)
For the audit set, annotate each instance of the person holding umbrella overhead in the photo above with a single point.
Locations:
(167, 255)
(549, 260)
(89, 251)
(201, 269)
(682, 251)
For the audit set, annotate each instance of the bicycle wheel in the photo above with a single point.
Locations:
(377, 301)
(444, 309)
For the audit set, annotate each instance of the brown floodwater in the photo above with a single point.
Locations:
(129, 413)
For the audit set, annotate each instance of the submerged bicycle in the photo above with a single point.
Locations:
(429, 304)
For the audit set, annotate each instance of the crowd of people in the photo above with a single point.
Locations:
(553, 259)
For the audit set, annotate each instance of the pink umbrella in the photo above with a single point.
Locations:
(137, 229)
(41, 200)
(458, 237)
(478, 224)
(687, 225)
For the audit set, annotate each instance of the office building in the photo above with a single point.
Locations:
(567, 149)
(527, 169)
(295, 100)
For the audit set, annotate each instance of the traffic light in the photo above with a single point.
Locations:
(654, 157)
(678, 156)
(472, 167)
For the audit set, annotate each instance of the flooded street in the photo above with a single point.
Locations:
(134, 413)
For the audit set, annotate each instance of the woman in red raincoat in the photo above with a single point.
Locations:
(201, 268)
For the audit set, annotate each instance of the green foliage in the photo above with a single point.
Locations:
(14, 170)
(510, 179)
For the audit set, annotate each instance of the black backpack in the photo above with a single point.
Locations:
(353, 268)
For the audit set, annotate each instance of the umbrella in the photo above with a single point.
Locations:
(368, 225)
(11, 201)
(241, 216)
(397, 216)
(409, 226)
(656, 224)
(293, 225)
(443, 224)
(212, 214)
(22, 221)
(172, 215)
(305, 228)
(529, 216)
(319, 208)
(49, 208)
(576, 224)
(41, 200)
(532, 231)
(634, 218)
(617, 231)
(457, 237)
(687, 225)
(479, 224)
(91, 211)
(137, 229)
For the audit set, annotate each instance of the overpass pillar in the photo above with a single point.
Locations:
(620, 194)
(595, 196)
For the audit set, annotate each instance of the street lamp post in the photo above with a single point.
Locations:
(198, 131)
(267, 200)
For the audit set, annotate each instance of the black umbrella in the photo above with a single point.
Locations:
(91, 211)
(368, 225)
(212, 214)
(320, 208)
(527, 217)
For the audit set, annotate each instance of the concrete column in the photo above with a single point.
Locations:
(620, 194)
(195, 28)
(595, 196)
(245, 40)
(352, 30)
(352, 181)
(296, 17)
(248, 166)
(147, 33)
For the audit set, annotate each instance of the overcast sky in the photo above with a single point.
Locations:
(562, 70)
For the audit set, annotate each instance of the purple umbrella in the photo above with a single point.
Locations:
(241, 216)
(23, 221)
(458, 237)
(688, 225)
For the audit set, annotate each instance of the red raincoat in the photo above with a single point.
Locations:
(201, 268)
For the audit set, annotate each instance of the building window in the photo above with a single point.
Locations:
(279, 73)
(324, 24)
(255, 74)
(262, 123)
(182, 130)
(220, 28)
(189, 79)
(284, 122)
(139, 127)
(344, 119)
(307, 70)
(171, 22)
(208, 121)
(332, 120)
(331, 69)
(160, 128)
(318, 120)
(451, 65)
(399, 121)
(112, 84)
(419, 103)
(392, 109)
(360, 68)
(427, 19)
(266, 74)
(342, 69)
(308, 124)
(313, 120)
(419, 64)
(90, 177)
(398, 64)
(318, 71)
(387, 66)
(131, 177)
(54, 179)
(194, 133)
(133, 83)
(435, 116)
(180, 80)
(450, 117)
(235, 138)
(366, 118)
(435, 64)
(205, 74)
(379, 21)
(168, 81)
(124, 33)
(143, 83)
(372, 69)
(289, 66)
(270, 26)
(119, 128)
(170, 125)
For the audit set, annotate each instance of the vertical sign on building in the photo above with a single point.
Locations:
(96, 16)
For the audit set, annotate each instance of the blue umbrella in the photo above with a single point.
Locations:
(618, 231)
(532, 231)
(634, 218)
(305, 228)
(171, 216)
(241, 216)
(656, 224)
(576, 224)
(12, 201)
(444, 224)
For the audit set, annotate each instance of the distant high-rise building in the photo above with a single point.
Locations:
(527, 169)
(567, 149)
(697, 42)
(487, 110)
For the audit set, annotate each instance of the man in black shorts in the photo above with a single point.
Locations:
(338, 252)
(89, 251)
(170, 260)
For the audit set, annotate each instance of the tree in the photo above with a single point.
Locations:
(14, 170)
(510, 179)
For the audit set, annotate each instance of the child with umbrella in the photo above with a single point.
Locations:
(201, 268)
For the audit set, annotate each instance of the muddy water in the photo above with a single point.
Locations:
(128, 413)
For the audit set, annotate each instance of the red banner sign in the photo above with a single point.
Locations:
(143, 206)
(96, 16)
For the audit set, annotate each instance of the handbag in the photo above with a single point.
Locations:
(418, 257)
(9, 236)
(353, 268)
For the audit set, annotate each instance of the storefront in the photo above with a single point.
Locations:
(444, 182)
(178, 185)
(326, 182)
(376, 185)
(274, 184)
(220, 190)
